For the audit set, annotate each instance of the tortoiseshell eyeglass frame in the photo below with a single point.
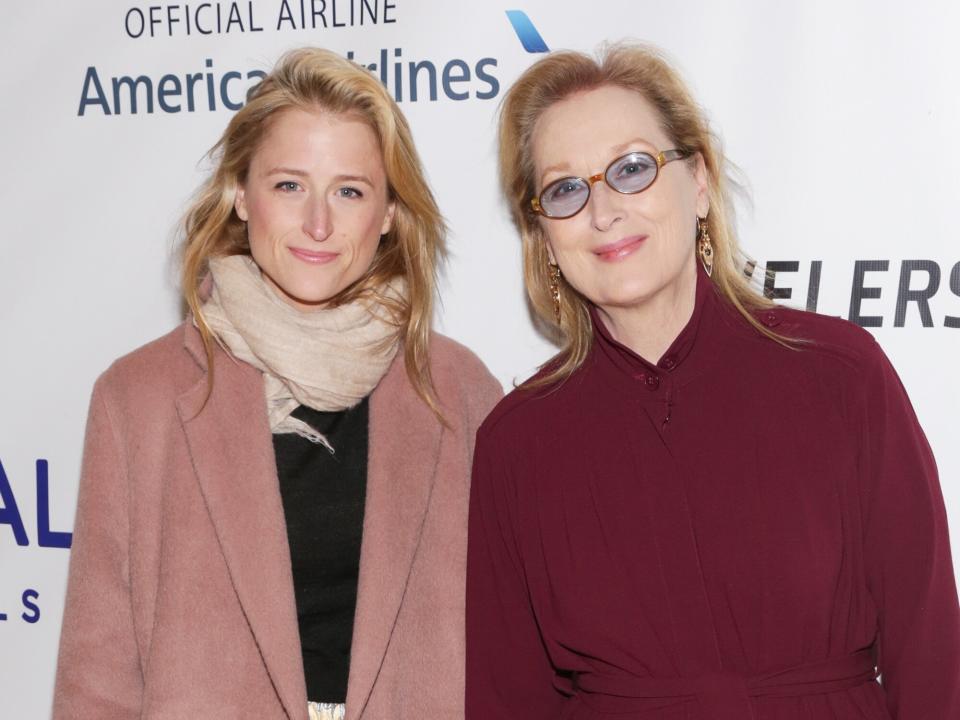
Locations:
(661, 159)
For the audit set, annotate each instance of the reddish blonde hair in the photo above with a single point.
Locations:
(644, 70)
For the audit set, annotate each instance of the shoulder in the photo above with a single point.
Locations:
(826, 337)
(461, 379)
(160, 368)
(830, 360)
(455, 362)
(531, 405)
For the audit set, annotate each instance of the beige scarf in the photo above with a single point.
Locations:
(329, 359)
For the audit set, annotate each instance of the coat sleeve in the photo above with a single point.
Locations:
(509, 675)
(98, 669)
(907, 549)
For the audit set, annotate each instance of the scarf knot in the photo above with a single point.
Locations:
(328, 359)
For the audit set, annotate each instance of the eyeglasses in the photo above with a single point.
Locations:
(628, 174)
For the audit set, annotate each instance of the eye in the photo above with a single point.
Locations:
(634, 165)
(287, 186)
(562, 188)
(349, 192)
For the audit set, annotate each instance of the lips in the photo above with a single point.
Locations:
(619, 249)
(312, 256)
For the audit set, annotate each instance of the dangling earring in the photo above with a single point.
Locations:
(554, 270)
(704, 246)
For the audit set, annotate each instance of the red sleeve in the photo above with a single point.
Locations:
(508, 673)
(907, 548)
(98, 670)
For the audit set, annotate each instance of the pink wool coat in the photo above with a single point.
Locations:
(180, 597)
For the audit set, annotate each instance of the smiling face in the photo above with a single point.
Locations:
(315, 201)
(620, 251)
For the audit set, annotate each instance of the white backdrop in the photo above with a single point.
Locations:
(843, 118)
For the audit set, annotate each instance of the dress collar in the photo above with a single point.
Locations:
(631, 363)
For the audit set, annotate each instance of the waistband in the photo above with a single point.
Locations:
(728, 694)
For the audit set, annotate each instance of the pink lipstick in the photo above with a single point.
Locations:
(620, 249)
(313, 257)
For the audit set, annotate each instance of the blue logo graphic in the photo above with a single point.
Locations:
(10, 512)
(529, 37)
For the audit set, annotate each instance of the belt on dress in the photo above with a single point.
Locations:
(726, 694)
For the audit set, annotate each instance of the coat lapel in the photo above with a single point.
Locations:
(404, 449)
(230, 446)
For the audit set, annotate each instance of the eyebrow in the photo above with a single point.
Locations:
(303, 174)
(286, 171)
(354, 178)
(616, 150)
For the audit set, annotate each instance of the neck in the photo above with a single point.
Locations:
(650, 326)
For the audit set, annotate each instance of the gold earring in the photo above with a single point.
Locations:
(704, 246)
(554, 270)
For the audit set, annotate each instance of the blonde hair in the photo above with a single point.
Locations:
(313, 79)
(644, 70)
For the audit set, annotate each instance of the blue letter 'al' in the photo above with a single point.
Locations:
(529, 37)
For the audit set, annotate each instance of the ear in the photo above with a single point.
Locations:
(388, 217)
(702, 179)
(240, 203)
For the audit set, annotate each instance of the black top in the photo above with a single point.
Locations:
(323, 496)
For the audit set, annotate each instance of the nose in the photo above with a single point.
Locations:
(317, 223)
(605, 204)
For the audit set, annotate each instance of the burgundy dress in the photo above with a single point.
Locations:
(739, 532)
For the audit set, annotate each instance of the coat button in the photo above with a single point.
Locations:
(770, 318)
(668, 363)
(652, 382)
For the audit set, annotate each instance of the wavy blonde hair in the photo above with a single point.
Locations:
(644, 70)
(313, 79)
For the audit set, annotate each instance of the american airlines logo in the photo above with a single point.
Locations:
(210, 88)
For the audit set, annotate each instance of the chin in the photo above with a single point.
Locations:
(315, 300)
(626, 294)
(307, 295)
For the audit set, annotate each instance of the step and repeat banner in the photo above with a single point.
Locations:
(841, 118)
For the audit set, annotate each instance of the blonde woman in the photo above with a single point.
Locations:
(705, 507)
(272, 511)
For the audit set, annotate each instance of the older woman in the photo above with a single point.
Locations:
(274, 496)
(704, 507)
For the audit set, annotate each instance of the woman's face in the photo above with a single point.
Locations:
(620, 251)
(315, 202)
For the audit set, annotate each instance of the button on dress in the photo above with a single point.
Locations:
(742, 531)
